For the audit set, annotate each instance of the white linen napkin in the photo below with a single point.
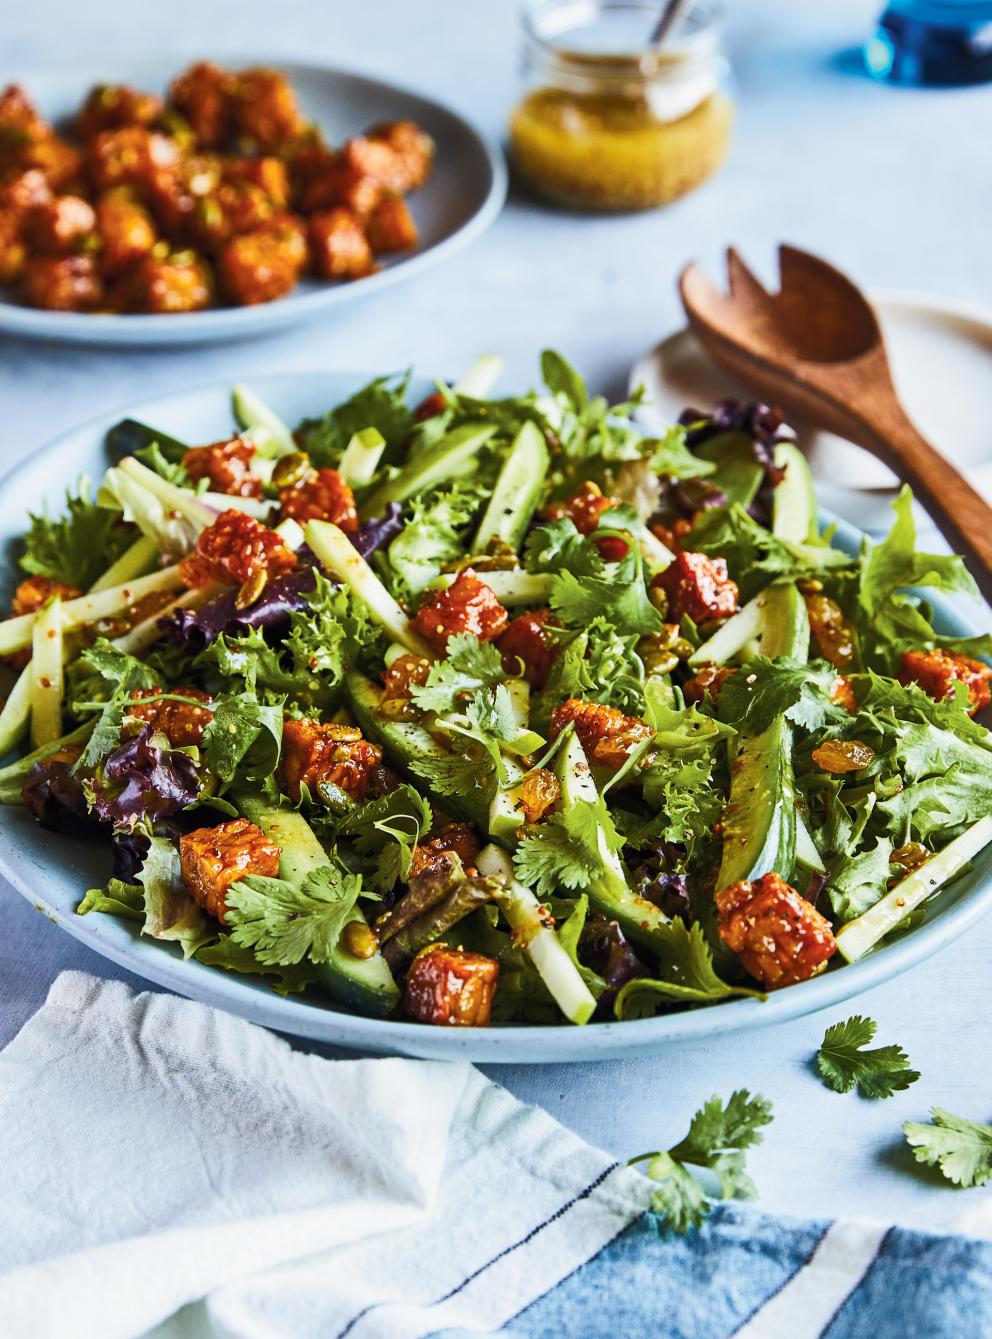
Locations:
(171, 1169)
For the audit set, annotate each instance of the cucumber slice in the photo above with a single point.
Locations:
(16, 633)
(609, 893)
(480, 378)
(450, 458)
(794, 511)
(759, 822)
(731, 637)
(506, 813)
(785, 624)
(273, 435)
(365, 984)
(337, 553)
(361, 457)
(46, 675)
(135, 561)
(513, 588)
(517, 492)
(806, 853)
(858, 936)
(404, 741)
(542, 945)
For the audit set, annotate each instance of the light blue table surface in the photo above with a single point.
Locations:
(894, 185)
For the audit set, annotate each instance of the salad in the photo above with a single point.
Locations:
(494, 709)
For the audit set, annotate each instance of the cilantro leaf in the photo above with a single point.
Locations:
(117, 667)
(286, 922)
(79, 545)
(717, 1140)
(453, 773)
(619, 596)
(469, 665)
(385, 831)
(844, 1063)
(556, 855)
(763, 689)
(961, 1148)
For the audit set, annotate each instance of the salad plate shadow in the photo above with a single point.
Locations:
(54, 874)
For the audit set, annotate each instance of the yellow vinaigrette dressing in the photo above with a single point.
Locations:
(605, 124)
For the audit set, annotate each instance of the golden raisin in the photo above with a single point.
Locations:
(843, 755)
(539, 793)
(910, 857)
(831, 631)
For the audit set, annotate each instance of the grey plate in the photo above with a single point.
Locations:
(462, 198)
(53, 872)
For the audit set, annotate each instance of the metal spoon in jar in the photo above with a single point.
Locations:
(670, 15)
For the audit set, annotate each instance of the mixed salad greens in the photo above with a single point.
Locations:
(494, 708)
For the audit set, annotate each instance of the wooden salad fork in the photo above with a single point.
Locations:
(815, 349)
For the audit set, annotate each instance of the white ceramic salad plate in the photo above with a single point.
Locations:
(54, 872)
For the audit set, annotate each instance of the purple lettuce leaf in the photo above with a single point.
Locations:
(656, 881)
(762, 422)
(141, 779)
(374, 534)
(52, 793)
(195, 629)
(605, 949)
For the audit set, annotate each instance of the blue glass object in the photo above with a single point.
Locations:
(939, 42)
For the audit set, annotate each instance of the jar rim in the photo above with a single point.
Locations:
(695, 40)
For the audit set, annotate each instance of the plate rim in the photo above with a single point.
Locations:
(221, 324)
(530, 1044)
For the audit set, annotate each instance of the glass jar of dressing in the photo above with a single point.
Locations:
(608, 122)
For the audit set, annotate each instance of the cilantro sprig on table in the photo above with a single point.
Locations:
(844, 1062)
(719, 1135)
(960, 1148)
